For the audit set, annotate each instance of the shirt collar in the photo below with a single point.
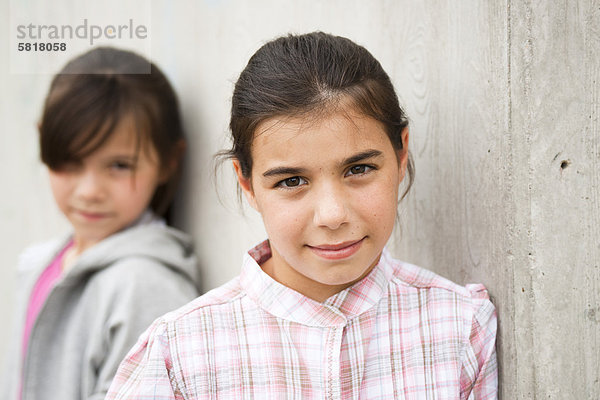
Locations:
(289, 304)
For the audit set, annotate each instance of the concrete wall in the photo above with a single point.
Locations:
(504, 102)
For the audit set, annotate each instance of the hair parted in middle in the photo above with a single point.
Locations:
(305, 76)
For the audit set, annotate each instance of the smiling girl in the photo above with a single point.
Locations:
(112, 140)
(320, 310)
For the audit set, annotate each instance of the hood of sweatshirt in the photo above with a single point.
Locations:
(148, 237)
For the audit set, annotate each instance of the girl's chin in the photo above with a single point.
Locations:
(340, 275)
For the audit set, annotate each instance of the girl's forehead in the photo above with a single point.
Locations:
(126, 138)
(336, 135)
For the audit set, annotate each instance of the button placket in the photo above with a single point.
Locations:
(334, 345)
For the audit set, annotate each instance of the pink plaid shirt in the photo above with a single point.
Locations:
(400, 333)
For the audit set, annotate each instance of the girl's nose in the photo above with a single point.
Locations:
(89, 187)
(331, 209)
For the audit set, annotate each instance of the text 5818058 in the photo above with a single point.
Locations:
(42, 46)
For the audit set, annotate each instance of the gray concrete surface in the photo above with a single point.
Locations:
(504, 100)
(510, 158)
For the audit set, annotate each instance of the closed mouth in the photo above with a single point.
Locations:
(337, 251)
(92, 215)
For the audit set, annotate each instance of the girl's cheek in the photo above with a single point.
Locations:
(283, 216)
(381, 203)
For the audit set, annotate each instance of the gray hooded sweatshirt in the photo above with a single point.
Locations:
(97, 310)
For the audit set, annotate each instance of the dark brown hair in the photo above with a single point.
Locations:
(299, 75)
(93, 93)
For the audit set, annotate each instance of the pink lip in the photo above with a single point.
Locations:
(92, 216)
(337, 251)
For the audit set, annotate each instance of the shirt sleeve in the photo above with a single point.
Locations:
(479, 373)
(146, 372)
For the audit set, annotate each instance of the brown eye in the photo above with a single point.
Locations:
(359, 169)
(121, 166)
(295, 181)
(292, 182)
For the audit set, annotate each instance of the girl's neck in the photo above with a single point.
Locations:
(74, 250)
(69, 257)
(283, 273)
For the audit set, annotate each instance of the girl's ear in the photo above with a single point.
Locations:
(403, 155)
(245, 184)
(173, 163)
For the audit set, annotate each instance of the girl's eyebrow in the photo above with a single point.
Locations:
(283, 171)
(363, 155)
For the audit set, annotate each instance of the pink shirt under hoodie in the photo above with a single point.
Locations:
(40, 293)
